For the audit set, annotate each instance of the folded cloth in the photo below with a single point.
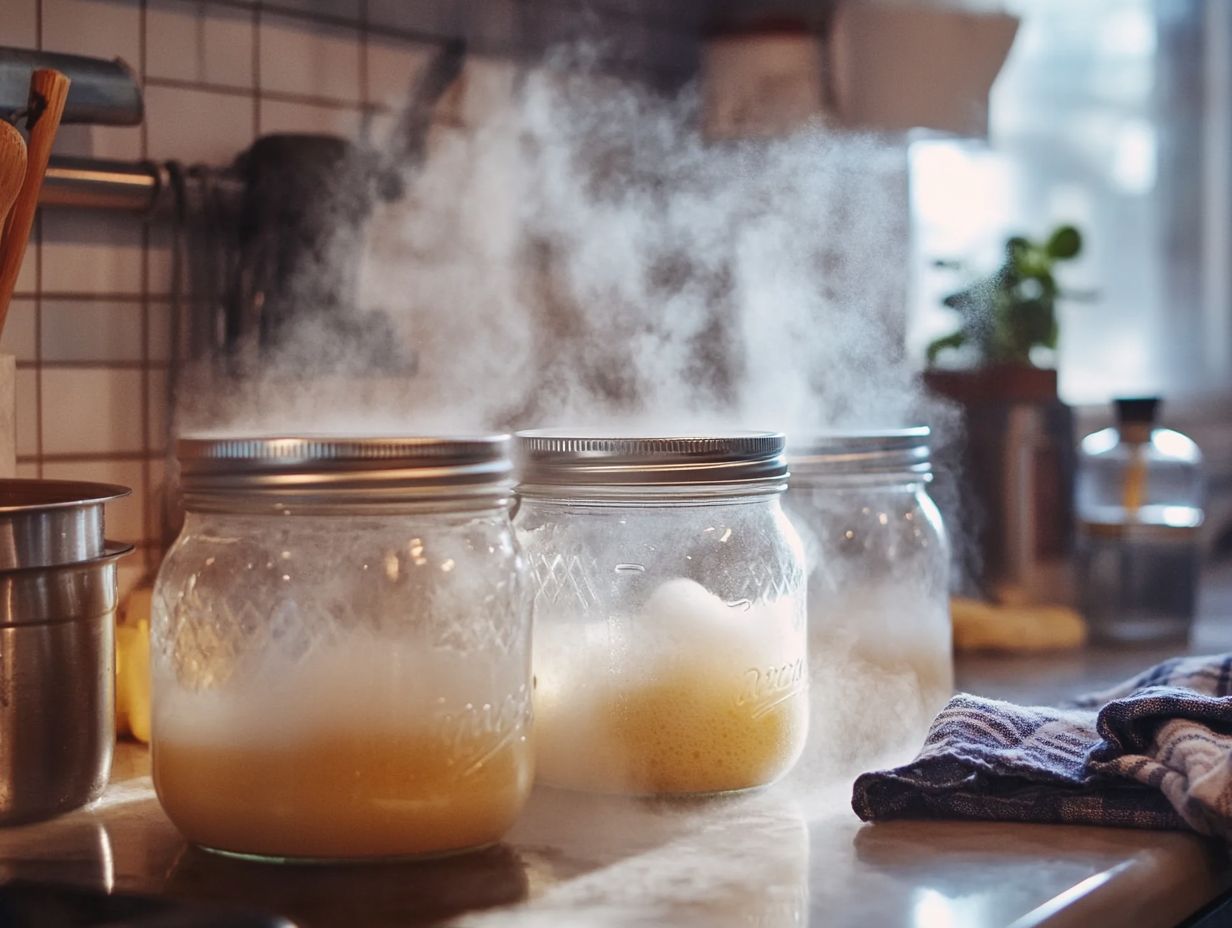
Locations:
(1153, 752)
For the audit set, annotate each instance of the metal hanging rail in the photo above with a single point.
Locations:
(90, 183)
(143, 188)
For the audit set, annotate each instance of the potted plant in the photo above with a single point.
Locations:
(1017, 459)
(1005, 319)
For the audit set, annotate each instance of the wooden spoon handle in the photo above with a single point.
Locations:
(12, 168)
(48, 92)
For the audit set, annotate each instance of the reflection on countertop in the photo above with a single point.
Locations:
(791, 855)
(776, 858)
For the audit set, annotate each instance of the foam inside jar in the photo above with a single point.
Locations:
(688, 695)
(358, 749)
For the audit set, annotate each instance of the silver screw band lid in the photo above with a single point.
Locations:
(347, 471)
(567, 457)
(864, 452)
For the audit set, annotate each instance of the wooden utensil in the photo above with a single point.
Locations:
(12, 167)
(48, 93)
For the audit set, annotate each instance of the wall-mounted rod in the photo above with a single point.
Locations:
(143, 188)
(93, 184)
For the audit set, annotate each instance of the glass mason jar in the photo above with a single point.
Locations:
(340, 649)
(669, 611)
(878, 590)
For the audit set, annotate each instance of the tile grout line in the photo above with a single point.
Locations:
(274, 96)
(365, 90)
(91, 365)
(254, 90)
(38, 303)
(147, 532)
(78, 296)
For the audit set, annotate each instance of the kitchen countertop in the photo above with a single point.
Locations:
(785, 856)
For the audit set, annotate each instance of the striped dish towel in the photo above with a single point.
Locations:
(1153, 752)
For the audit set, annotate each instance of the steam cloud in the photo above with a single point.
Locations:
(582, 254)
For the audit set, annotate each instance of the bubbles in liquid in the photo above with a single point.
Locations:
(361, 749)
(687, 696)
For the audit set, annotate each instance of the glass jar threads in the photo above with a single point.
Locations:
(878, 589)
(341, 648)
(669, 611)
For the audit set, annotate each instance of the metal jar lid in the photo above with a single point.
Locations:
(879, 452)
(226, 472)
(577, 458)
(49, 522)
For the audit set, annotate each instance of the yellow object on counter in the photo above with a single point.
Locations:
(1019, 628)
(133, 666)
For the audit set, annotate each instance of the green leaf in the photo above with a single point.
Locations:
(1016, 246)
(953, 340)
(1065, 242)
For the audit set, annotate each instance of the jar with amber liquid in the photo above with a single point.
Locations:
(340, 653)
(670, 627)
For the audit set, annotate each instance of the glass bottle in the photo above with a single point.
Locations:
(1139, 504)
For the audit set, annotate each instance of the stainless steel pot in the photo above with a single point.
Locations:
(57, 685)
(57, 646)
(48, 522)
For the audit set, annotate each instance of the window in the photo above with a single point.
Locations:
(1112, 115)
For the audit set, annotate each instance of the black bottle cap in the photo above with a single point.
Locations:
(1136, 410)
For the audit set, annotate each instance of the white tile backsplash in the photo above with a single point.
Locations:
(309, 59)
(278, 116)
(159, 255)
(100, 28)
(156, 434)
(19, 25)
(120, 143)
(26, 425)
(20, 334)
(91, 331)
(158, 332)
(198, 126)
(91, 252)
(27, 277)
(92, 411)
(193, 41)
(124, 519)
(156, 501)
(393, 65)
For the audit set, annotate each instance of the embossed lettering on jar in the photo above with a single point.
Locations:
(341, 649)
(669, 611)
